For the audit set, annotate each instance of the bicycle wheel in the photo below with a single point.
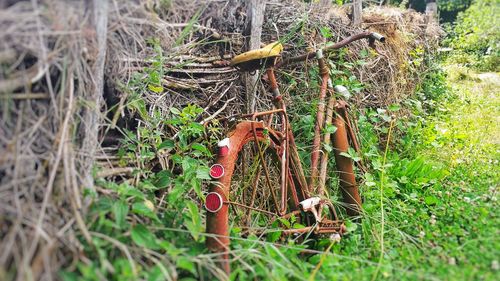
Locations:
(251, 198)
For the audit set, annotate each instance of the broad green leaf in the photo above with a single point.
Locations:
(351, 227)
(143, 237)
(194, 224)
(175, 111)
(201, 148)
(431, 200)
(159, 273)
(196, 184)
(298, 225)
(328, 148)
(325, 32)
(166, 144)
(176, 193)
(345, 154)
(189, 164)
(141, 208)
(285, 222)
(140, 106)
(120, 211)
(162, 179)
(156, 89)
(127, 190)
(273, 236)
(103, 205)
(203, 173)
(68, 276)
(330, 129)
(185, 263)
(394, 107)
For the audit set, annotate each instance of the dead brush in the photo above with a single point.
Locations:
(64, 90)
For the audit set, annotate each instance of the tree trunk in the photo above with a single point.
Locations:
(255, 12)
(98, 11)
(357, 16)
(431, 10)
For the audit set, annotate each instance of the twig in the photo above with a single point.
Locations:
(115, 171)
(26, 96)
(50, 183)
(218, 111)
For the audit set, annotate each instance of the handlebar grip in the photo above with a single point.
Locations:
(377, 36)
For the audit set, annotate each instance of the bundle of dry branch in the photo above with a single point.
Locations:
(55, 110)
(48, 103)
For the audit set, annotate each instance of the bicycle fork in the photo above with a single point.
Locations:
(340, 143)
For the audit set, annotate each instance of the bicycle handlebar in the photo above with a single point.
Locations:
(371, 36)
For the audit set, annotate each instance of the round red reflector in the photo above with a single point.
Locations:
(216, 171)
(223, 151)
(213, 202)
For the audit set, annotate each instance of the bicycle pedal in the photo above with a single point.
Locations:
(309, 205)
(330, 226)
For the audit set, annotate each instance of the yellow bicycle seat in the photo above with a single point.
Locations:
(255, 59)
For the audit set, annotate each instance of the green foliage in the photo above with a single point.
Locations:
(453, 5)
(443, 5)
(140, 228)
(475, 38)
(429, 199)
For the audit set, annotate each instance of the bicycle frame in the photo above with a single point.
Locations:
(292, 176)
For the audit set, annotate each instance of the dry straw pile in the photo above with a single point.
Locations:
(65, 71)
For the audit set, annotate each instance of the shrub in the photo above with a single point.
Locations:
(476, 36)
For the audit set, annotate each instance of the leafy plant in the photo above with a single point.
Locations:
(475, 38)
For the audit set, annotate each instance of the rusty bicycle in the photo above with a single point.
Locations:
(271, 195)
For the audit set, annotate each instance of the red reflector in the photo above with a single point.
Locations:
(216, 171)
(223, 151)
(213, 202)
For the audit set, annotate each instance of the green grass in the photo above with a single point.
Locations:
(430, 201)
(430, 196)
(439, 195)
(437, 185)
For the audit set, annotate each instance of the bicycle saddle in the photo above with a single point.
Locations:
(256, 59)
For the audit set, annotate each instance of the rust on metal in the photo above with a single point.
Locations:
(344, 164)
(352, 130)
(272, 82)
(251, 208)
(217, 223)
(264, 164)
(320, 119)
(326, 140)
(372, 36)
(293, 181)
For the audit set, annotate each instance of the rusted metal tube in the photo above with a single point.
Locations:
(320, 119)
(315, 229)
(297, 167)
(344, 164)
(326, 141)
(346, 41)
(272, 82)
(217, 222)
(264, 165)
(299, 230)
(350, 130)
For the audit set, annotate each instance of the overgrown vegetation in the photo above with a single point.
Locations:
(475, 38)
(429, 139)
